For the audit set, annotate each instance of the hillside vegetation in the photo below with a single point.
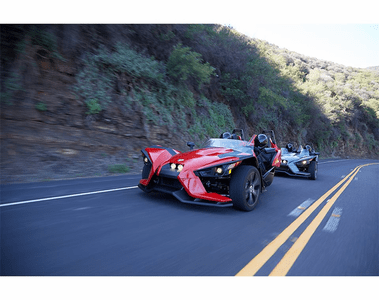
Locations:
(171, 83)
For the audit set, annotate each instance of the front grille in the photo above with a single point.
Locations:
(216, 185)
(170, 182)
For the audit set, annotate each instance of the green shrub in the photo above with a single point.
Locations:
(41, 38)
(194, 30)
(40, 106)
(234, 88)
(93, 106)
(215, 118)
(12, 84)
(270, 99)
(167, 36)
(372, 107)
(371, 142)
(248, 109)
(340, 78)
(358, 138)
(125, 59)
(97, 78)
(94, 85)
(118, 168)
(184, 64)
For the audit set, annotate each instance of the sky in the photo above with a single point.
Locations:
(354, 45)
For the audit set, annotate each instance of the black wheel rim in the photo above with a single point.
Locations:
(252, 188)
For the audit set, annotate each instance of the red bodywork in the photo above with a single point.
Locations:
(191, 161)
(195, 160)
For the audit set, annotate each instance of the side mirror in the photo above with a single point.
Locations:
(191, 145)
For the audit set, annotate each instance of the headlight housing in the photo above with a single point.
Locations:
(303, 163)
(145, 159)
(217, 171)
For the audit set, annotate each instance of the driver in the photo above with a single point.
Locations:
(289, 147)
(228, 135)
(261, 141)
(225, 135)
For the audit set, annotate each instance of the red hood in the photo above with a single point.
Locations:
(202, 158)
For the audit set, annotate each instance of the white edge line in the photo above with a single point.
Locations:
(67, 196)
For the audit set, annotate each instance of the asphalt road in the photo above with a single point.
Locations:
(107, 226)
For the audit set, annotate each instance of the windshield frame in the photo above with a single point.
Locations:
(237, 145)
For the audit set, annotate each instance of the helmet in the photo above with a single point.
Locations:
(261, 140)
(225, 135)
(289, 147)
(309, 148)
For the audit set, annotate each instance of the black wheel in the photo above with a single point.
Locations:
(245, 188)
(313, 169)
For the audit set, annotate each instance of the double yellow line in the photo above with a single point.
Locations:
(293, 253)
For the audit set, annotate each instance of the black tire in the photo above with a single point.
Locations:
(313, 168)
(245, 188)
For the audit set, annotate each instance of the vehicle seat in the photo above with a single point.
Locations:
(270, 154)
(266, 157)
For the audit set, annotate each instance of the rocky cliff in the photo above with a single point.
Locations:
(45, 131)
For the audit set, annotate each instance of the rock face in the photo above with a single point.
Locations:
(60, 140)
(45, 131)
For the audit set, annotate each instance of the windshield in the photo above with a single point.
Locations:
(238, 145)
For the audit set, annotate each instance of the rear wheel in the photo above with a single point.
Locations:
(245, 188)
(313, 170)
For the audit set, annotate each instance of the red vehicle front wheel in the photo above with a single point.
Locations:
(245, 188)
